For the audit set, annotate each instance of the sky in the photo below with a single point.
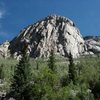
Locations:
(17, 14)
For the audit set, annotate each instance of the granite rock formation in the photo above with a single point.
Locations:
(53, 32)
(92, 44)
(4, 51)
(56, 33)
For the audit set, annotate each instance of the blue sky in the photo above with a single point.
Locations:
(17, 14)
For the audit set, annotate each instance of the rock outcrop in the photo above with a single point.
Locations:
(92, 44)
(53, 32)
(4, 51)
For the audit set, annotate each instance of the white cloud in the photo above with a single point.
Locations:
(1, 17)
(2, 10)
(2, 13)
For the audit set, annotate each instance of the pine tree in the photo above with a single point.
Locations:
(20, 87)
(1, 71)
(51, 61)
(72, 70)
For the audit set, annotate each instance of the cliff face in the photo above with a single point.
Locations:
(53, 32)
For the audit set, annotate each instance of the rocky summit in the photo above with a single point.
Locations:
(54, 32)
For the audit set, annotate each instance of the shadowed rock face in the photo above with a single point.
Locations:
(53, 32)
(92, 44)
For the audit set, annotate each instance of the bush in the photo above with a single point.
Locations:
(46, 84)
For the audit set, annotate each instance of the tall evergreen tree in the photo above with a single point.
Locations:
(51, 61)
(1, 72)
(72, 69)
(20, 87)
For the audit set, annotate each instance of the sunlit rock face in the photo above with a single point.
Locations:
(53, 32)
(4, 51)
